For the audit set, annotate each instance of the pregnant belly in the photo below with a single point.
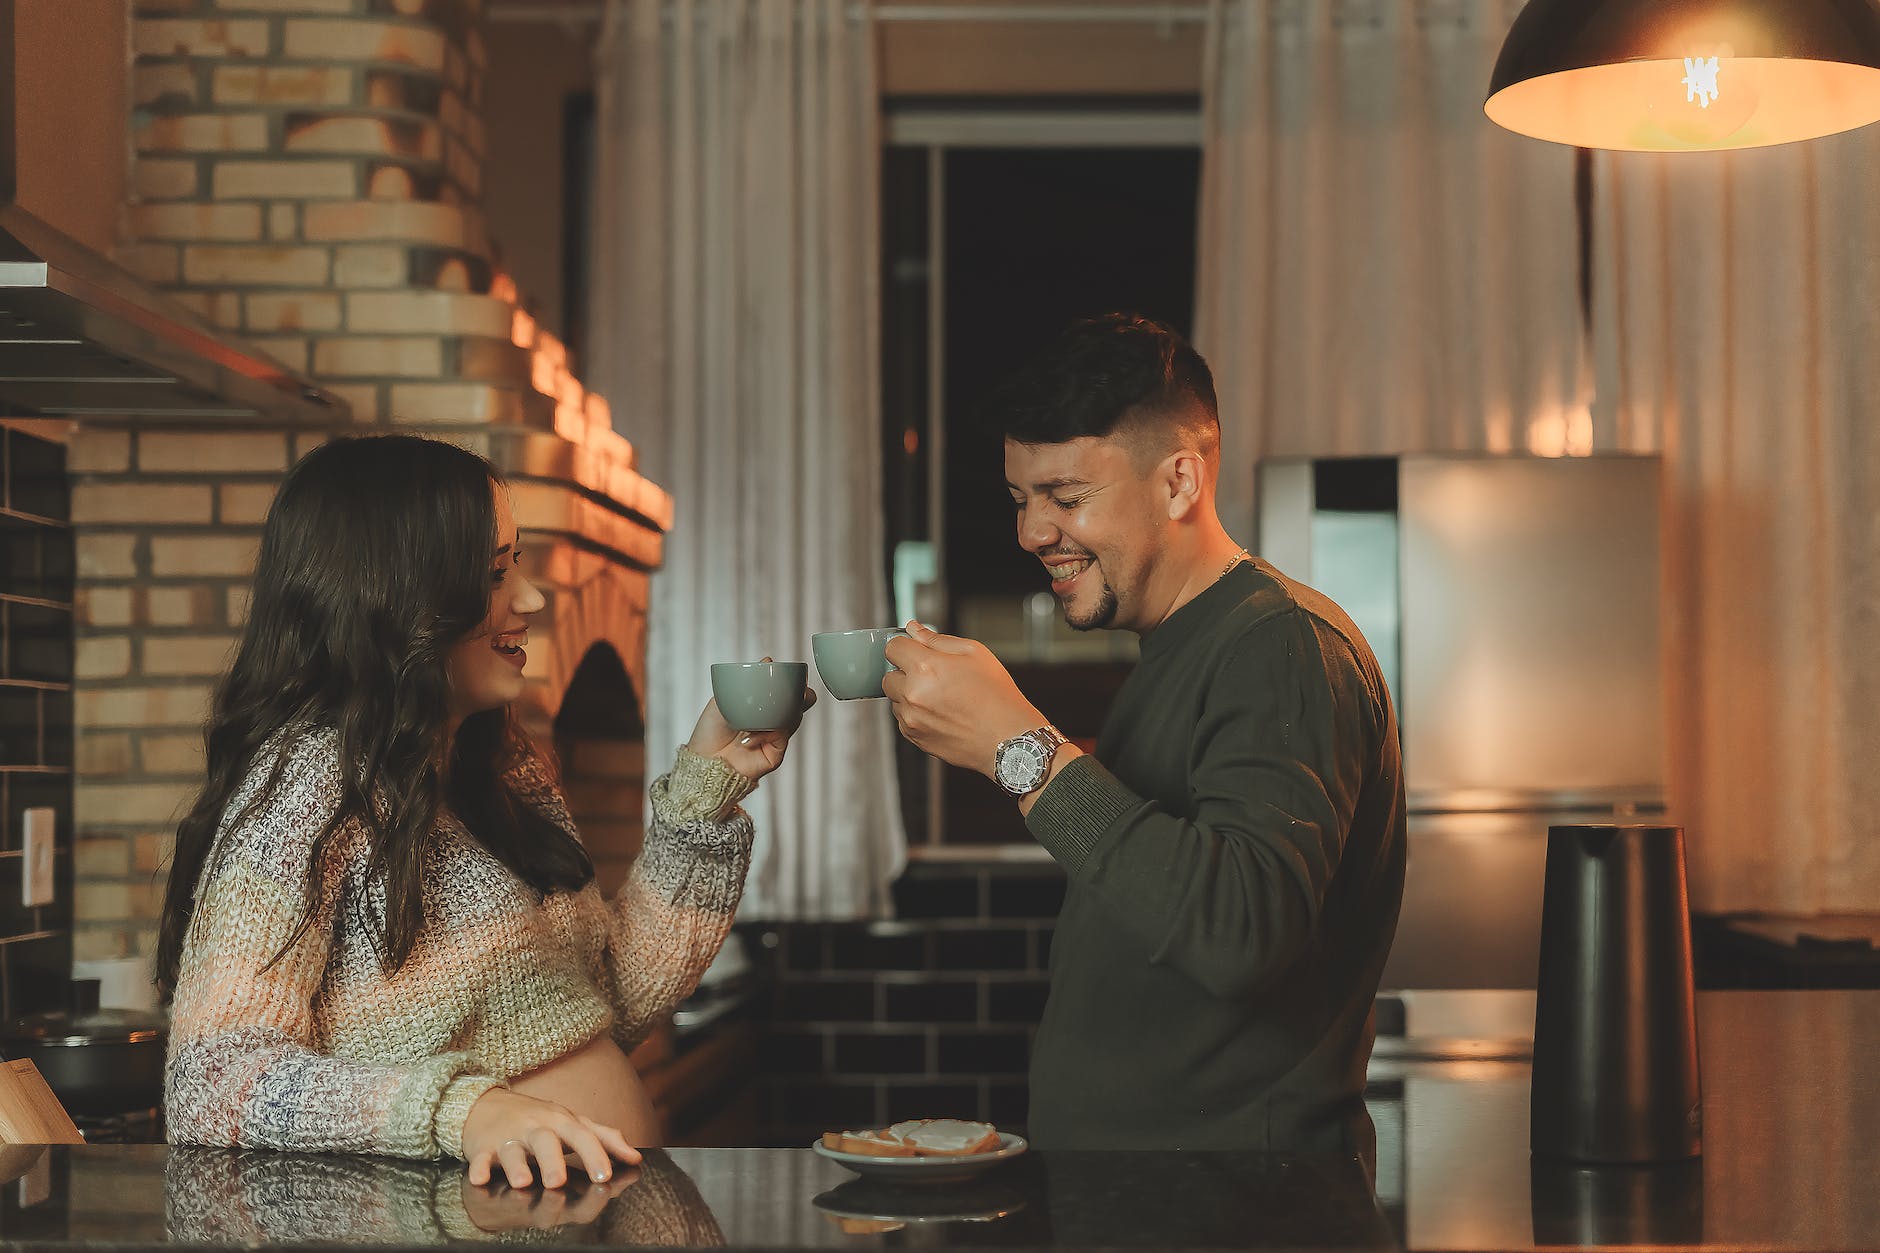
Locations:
(597, 1081)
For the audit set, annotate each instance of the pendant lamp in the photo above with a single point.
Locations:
(1688, 75)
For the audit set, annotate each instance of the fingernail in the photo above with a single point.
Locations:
(600, 1176)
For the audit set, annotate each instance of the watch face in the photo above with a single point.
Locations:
(1022, 765)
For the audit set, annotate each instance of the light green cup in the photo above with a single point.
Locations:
(760, 695)
(853, 663)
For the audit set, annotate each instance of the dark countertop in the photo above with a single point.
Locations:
(1792, 1161)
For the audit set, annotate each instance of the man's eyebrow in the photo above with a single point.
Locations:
(1050, 485)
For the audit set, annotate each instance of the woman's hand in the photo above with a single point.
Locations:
(509, 1129)
(497, 1207)
(752, 754)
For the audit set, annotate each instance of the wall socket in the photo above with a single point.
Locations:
(38, 826)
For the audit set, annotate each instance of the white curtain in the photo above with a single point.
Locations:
(1381, 269)
(1734, 322)
(734, 331)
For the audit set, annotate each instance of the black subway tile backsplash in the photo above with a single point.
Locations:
(36, 662)
(831, 1105)
(23, 558)
(789, 1052)
(38, 973)
(19, 726)
(989, 948)
(859, 948)
(931, 1002)
(927, 1016)
(55, 708)
(1038, 895)
(921, 894)
(984, 1052)
(934, 1100)
(35, 476)
(38, 642)
(1008, 1105)
(804, 947)
(845, 1001)
(1020, 1001)
(34, 790)
(875, 1053)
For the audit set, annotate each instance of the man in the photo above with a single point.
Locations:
(1235, 847)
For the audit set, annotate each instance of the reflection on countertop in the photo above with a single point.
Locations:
(1791, 1098)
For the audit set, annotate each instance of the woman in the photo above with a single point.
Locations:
(381, 932)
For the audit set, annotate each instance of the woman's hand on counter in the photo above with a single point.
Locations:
(511, 1130)
(496, 1207)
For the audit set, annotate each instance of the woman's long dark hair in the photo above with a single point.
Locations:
(375, 560)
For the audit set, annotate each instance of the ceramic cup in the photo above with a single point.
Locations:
(760, 695)
(853, 663)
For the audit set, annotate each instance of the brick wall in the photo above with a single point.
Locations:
(307, 175)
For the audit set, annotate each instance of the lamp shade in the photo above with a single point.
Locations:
(1688, 75)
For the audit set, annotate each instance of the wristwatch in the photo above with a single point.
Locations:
(1023, 762)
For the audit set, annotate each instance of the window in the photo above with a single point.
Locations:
(999, 227)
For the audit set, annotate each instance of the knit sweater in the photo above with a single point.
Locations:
(253, 1198)
(325, 1051)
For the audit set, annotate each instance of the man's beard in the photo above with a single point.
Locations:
(1099, 618)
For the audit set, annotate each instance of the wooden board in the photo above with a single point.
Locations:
(29, 1112)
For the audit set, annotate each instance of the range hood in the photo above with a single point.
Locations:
(82, 337)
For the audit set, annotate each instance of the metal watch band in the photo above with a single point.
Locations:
(1046, 740)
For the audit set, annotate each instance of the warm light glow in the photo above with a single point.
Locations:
(910, 441)
(1565, 433)
(1654, 106)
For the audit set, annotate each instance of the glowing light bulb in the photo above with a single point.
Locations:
(1707, 99)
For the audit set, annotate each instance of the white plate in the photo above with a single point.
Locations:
(925, 1169)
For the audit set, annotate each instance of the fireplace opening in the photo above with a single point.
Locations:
(600, 741)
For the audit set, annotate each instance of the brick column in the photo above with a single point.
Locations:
(307, 174)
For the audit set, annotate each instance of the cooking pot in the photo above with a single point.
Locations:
(98, 1062)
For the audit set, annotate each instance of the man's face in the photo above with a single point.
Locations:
(1093, 520)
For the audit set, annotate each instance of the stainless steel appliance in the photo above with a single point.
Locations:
(1513, 603)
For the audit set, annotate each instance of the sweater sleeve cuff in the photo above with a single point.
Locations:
(701, 788)
(1076, 809)
(454, 1109)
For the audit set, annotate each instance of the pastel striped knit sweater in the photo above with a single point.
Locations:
(323, 1051)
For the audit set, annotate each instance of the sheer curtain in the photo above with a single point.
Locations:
(734, 332)
(1734, 323)
(1381, 270)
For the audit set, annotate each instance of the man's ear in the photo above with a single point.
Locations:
(1184, 476)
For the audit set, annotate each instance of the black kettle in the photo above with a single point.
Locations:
(1615, 1027)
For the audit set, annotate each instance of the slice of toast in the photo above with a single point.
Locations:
(866, 1143)
(945, 1137)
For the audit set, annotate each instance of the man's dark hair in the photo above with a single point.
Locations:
(1114, 375)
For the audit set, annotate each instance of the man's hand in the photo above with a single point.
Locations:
(952, 698)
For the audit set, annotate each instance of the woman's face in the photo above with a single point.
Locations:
(486, 668)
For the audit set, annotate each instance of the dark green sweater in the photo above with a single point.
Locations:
(1235, 851)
